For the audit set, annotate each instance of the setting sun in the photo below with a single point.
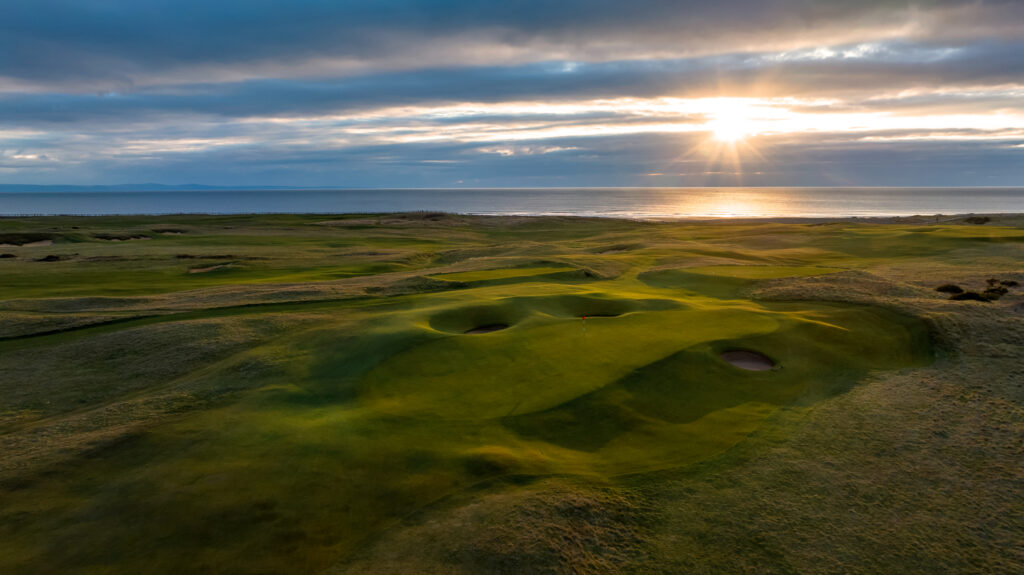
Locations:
(731, 119)
(729, 129)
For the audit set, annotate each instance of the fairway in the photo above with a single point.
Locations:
(256, 394)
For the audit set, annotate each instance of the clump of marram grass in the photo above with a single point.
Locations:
(949, 288)
(997, 288)
(995, 292)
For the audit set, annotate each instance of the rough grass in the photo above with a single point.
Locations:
(498, 274)
(319, 403)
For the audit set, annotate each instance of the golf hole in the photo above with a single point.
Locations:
(747, 359)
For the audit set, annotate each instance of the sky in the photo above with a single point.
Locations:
(518, 93)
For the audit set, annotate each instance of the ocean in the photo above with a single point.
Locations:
(639, 203)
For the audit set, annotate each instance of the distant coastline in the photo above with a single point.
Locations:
(629, 203)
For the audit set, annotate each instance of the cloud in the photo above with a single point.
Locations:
(406, 93)
(896, 74)
(119, 45)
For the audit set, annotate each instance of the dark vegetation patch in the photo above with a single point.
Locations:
(995, 289)
(969, 296)
(106, 259)
(169, 231)
(20, 239)
(995, 292)
(49, 258)
(978, 220)
(7, 256)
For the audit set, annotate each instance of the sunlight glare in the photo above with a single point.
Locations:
(730, 120)
(729, 129)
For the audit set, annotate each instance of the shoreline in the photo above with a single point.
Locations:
(992, 217)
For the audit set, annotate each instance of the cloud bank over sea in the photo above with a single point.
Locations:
(520, 93)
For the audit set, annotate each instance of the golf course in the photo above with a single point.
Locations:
(438, 393)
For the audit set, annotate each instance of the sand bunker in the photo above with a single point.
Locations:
(751, 360)
(122, 239)
(487, 328)
(207, 269)
(29, 244)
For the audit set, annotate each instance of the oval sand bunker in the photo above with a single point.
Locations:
(487, 328)
(750, 360)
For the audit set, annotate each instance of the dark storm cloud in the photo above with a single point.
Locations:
(115, 44)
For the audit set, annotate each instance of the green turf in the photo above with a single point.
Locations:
(236, 429)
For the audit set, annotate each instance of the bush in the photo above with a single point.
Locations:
(20, 239)
(978, 220)
(949, 288)
(969, 296)
(994, 292)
